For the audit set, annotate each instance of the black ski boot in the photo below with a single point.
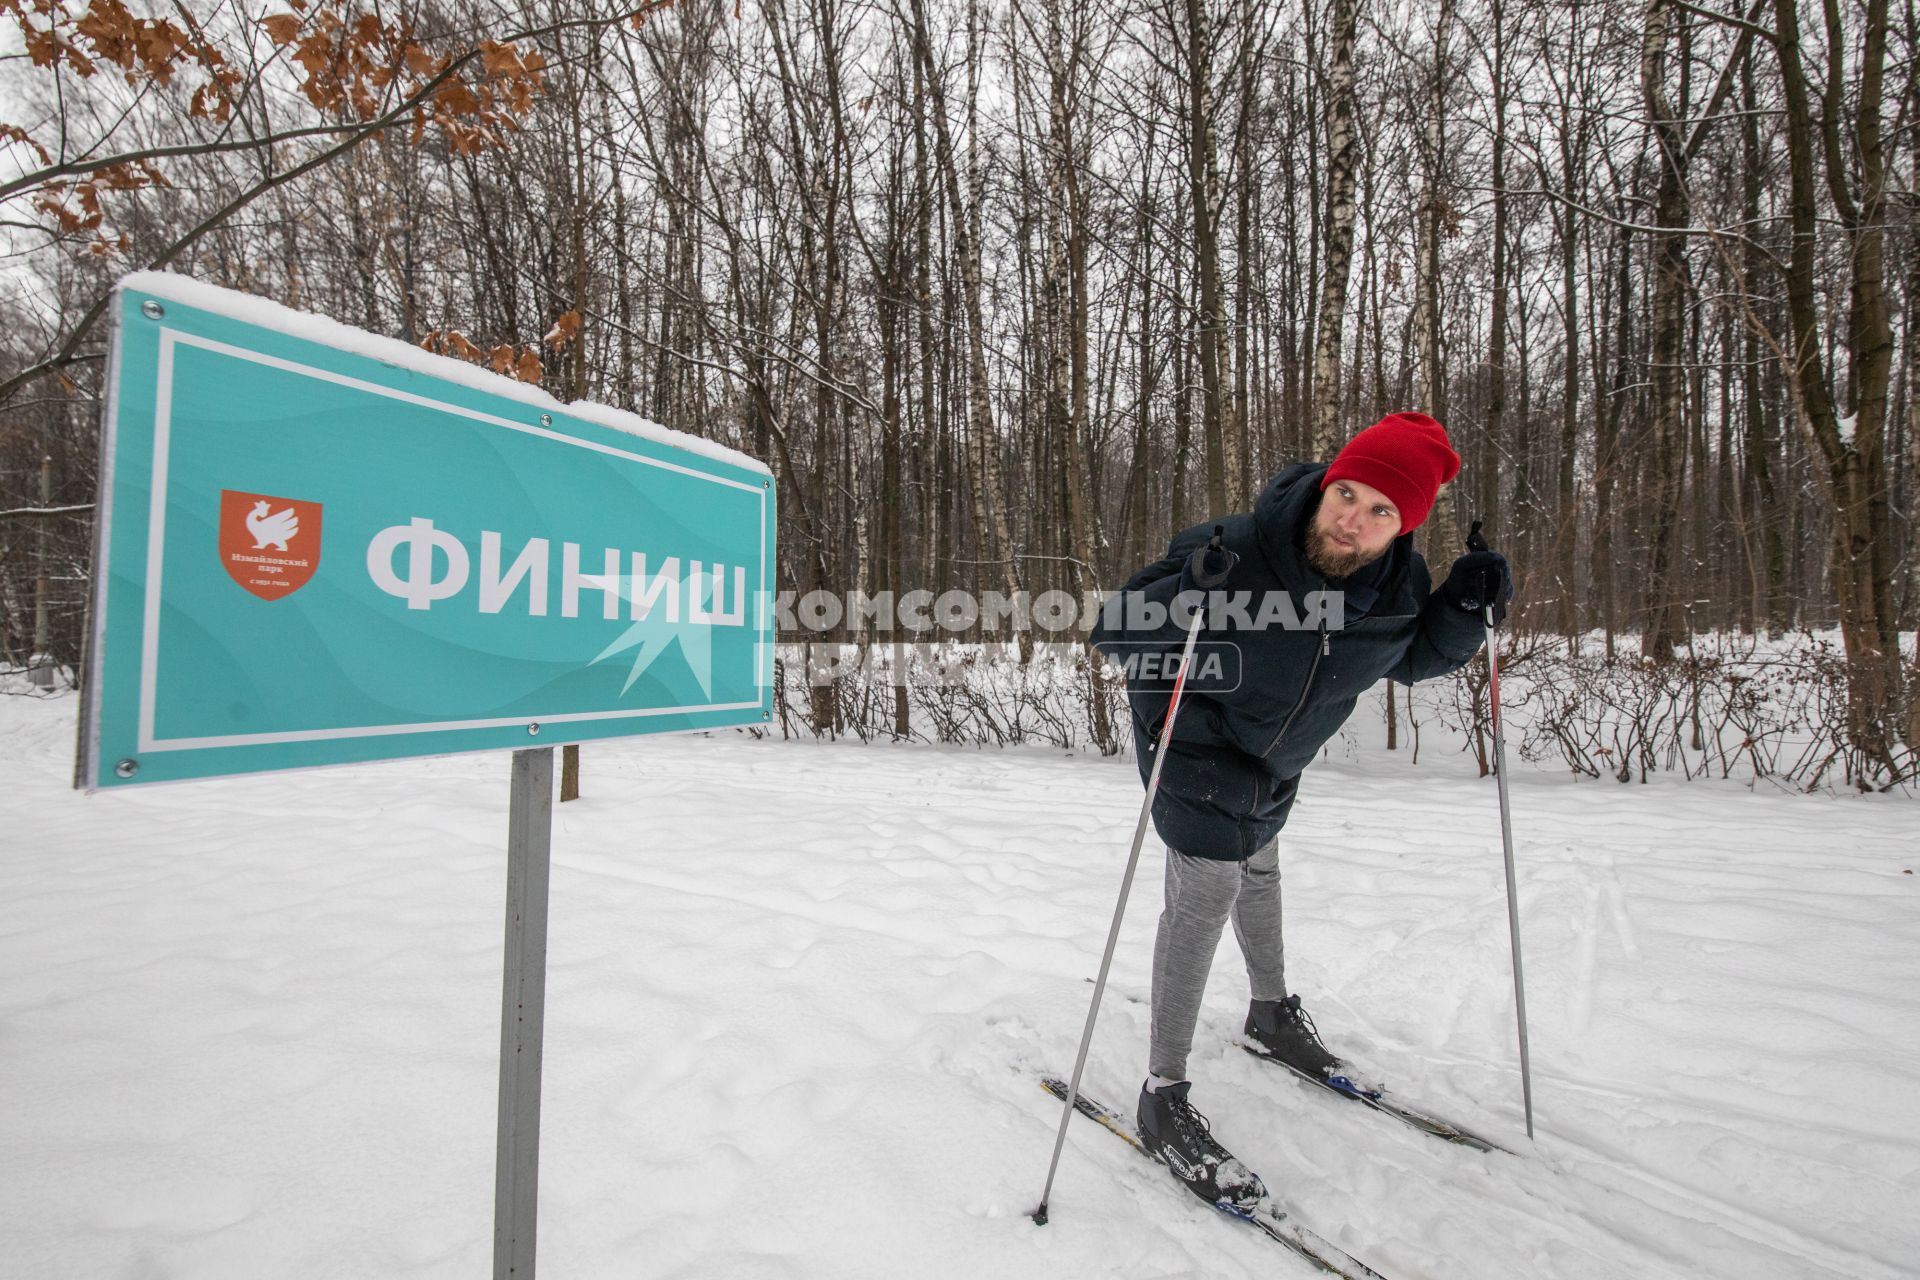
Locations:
(1179, 1137)
(1282, 1029)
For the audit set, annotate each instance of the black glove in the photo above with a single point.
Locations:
(1207, 568)
(1480, 579)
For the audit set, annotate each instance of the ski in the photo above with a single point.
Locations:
(1376, 1099)
(1266, 1216)
(1380, 1101)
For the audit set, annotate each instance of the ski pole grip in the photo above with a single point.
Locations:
(1207, 567)
(1477, 541)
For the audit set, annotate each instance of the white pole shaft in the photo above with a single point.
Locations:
(1119, 913)
(1506, 841)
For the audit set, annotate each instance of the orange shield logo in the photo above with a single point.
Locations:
(270, 546)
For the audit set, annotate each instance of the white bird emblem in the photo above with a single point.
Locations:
(271, 530)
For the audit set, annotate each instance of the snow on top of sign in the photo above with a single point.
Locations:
(404, 355)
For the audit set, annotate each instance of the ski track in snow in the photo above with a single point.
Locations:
(800, 997)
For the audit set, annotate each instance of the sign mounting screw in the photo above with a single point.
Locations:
(127, 768)
(152, 310)
(546, 419)
(533, 730)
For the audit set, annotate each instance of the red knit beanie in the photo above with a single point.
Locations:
(1404, 455)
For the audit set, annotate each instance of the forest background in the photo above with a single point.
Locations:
(1006, 293)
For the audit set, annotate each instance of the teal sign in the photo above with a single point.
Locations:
(317, 546)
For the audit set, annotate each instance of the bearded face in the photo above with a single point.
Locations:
(1353, 527)
(1331, 560)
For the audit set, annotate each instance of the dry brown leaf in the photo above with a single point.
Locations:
(500, 59)
(457, 96)
(564, 330)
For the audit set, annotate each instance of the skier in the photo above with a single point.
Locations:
(1242, 738)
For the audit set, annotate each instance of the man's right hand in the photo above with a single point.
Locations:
(1208, 567)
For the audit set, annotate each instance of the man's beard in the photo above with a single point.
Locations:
(1329, 560)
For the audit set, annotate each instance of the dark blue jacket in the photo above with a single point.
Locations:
(1235, 758)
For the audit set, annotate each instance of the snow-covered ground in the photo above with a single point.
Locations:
(801, 995)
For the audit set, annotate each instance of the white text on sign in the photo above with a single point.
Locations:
(437, 567)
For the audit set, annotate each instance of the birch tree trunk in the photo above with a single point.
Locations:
(1203, 179)
(1342, 176)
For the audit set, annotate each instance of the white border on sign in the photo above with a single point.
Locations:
(156, 529)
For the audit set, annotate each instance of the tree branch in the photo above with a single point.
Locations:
(359, 134)
(45, 513)
(1746, 25)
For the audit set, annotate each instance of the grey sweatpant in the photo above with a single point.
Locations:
(1201, 894)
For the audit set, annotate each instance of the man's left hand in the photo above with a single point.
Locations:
(1480, 580)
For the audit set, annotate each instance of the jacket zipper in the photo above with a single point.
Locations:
(1304, 690)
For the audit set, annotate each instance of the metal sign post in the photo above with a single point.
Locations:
(516, 1175)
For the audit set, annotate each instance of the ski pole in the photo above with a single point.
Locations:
(1477, 542)
(1120, 907)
